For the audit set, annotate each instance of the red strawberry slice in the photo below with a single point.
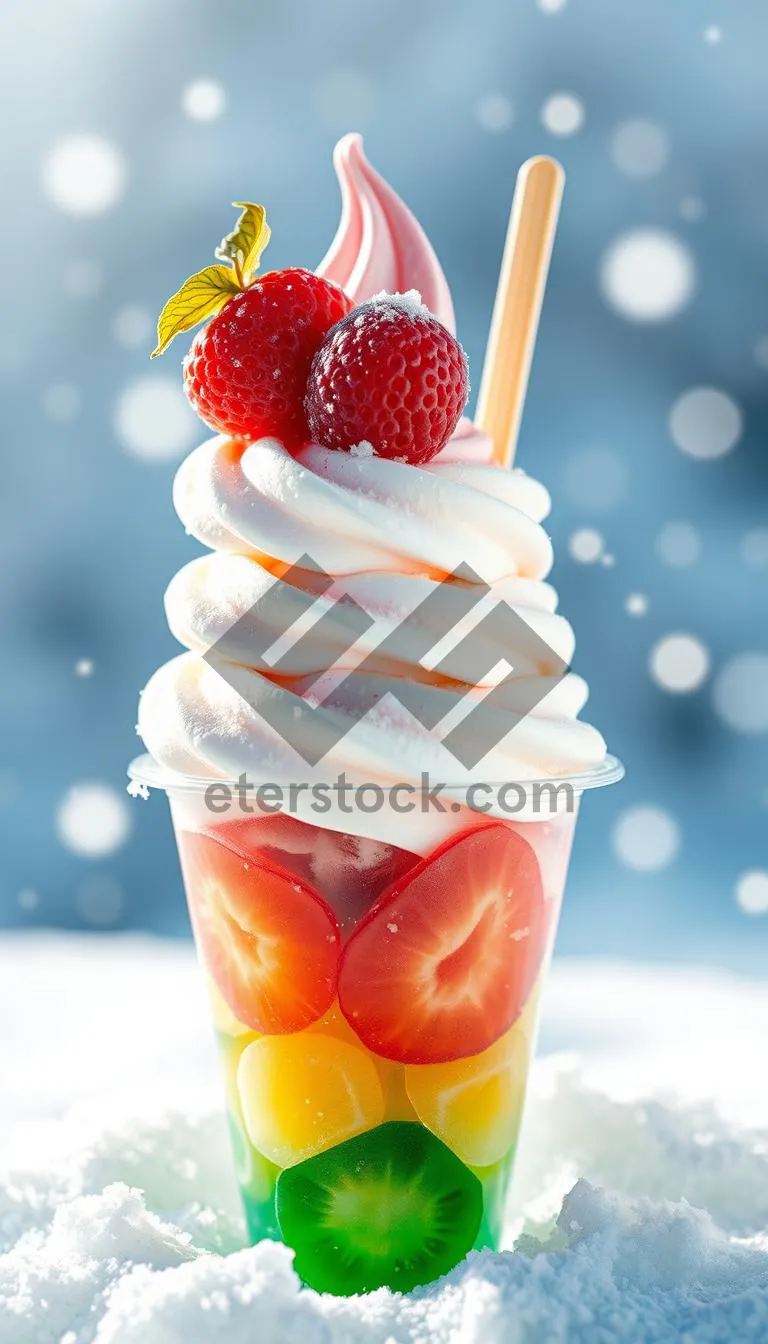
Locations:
(268, 940)
(443, 964)
(348, 871)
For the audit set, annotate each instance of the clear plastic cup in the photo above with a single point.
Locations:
(376, 1008)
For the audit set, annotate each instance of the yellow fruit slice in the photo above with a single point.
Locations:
(255, 1176)
(224, 1019)
(303, 1093)
(335, 1024)
(475, 1105)
(392, 1076)
(397, 1104)
(230, 1049)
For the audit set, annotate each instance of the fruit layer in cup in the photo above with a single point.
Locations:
(376, 1013)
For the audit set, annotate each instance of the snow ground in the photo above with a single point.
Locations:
(642, 1190)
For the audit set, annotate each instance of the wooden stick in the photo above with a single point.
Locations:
(515, 322)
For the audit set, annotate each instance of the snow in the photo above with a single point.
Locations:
(642, 1187)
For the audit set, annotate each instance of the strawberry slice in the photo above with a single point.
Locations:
(348, 871)
(268, 940)
(443, 964)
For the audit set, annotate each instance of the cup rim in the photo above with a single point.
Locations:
(147, 773)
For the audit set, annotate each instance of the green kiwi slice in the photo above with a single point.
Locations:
(393, 1207)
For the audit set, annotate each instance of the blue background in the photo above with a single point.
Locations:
(88, 538)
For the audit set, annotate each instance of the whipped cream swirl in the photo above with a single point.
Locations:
(388, 533)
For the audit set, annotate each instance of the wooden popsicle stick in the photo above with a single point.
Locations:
(515, 322)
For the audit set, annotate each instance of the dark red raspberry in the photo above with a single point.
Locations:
(246, 371)
(391, 375)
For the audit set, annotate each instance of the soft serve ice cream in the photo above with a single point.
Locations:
(387, 531)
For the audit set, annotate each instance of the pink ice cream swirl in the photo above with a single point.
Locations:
(379, 245)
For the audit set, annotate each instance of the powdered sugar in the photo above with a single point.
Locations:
(410, 303)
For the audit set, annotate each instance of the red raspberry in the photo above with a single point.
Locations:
(247, 369)
(389, 374)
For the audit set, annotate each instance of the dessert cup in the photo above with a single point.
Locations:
(375, 964)
(376, 1007)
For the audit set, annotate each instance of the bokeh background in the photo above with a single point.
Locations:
(129, 130)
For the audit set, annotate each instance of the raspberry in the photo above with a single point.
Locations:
(391, 375)
(246, 371)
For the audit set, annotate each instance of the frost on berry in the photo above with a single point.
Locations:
(410, 302)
